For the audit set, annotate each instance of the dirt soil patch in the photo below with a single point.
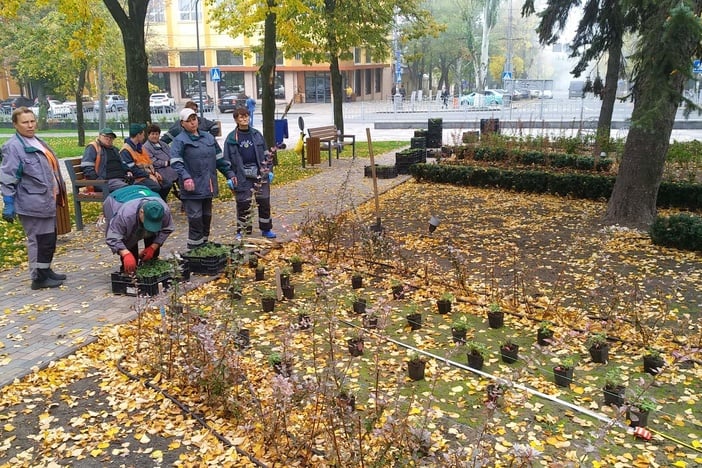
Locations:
(539, 257)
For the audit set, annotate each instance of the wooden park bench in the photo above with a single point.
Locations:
(328, 139)
(83, 189)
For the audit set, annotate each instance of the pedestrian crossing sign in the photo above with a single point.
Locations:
(215, 75)
(506, 75)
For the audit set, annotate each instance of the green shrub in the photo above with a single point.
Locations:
(681, 231)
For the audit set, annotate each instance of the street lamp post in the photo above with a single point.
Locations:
(199, 64)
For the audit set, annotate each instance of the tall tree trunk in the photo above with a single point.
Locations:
(132, 27)
(268, 77)
(137, 73)
(633, 200)
(664, 51)
(609, 95)
(337, 93)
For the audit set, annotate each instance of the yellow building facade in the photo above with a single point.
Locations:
(172, 43)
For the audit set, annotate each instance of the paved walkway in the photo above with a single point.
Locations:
(37, 327)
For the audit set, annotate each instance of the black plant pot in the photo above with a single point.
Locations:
(243, 338)
(459, 336)
(370, 322)
(415, 369)
(599, 354)
(496, 319)
(284, 280)
(614, 395)
(636, 417)
(444, 306)
(260, 274)
(475, 360)
(359, 306)
(357, 282)
(289, 292)
(414, 321)
(346, 403)
(652, 364)
(283, 368)
(510, 355)
(563, 376)
(355, 346)
(267, 304)
(543, 337)
(304, 321)
(398, 292)
(296, 267)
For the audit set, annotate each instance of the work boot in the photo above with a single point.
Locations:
(55, 276)
(44, 281)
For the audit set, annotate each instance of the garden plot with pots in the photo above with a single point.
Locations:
(321, 381)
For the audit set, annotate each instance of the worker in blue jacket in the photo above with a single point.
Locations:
(196, 156)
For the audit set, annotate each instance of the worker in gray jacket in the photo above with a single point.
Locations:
(32, 188)
(134, 213)
(196, 156)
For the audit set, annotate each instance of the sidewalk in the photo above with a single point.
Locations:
(37, 327)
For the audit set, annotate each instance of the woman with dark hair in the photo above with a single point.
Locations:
(160, 154)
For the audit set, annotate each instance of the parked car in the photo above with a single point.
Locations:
(89, 104)
(11, 104)
(546, 94)
(576, 89)
(229, 102)
(535, 93)
(489, 97)
(58, 109)
(161, 102)
(115, 102)
(207, 101)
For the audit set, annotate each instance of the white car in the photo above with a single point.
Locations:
(58, 109)
(161, 102)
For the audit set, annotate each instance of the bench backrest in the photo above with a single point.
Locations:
(75, 171)
(323, 133)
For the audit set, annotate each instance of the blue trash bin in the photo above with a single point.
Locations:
(281, 131)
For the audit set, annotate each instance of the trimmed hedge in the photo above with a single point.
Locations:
(590, 186)
(681, 231)
(532, 158)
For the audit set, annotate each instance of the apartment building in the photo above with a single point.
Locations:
(176, 40)
(172, 42)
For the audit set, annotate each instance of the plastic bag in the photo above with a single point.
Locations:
(299, 146)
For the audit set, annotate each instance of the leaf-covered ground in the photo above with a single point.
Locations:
(539, 257)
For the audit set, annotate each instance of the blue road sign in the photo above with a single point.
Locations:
(506, 75)
(215, 75)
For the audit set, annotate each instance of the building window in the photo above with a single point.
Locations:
(189, 58)
(278, 58)
(357, 83)
(278, 87)
(161, 80)
(368, 56)
(229, 57)
(156, 11)
(357, 55)
(378, 79)
(189, 84)
(158, 58)
(231, 83)
(187, 10)
(369, 81)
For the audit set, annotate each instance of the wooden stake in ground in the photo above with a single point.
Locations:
(377, 227)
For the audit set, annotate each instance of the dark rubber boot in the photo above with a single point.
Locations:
(55, 276)
(43, 281)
